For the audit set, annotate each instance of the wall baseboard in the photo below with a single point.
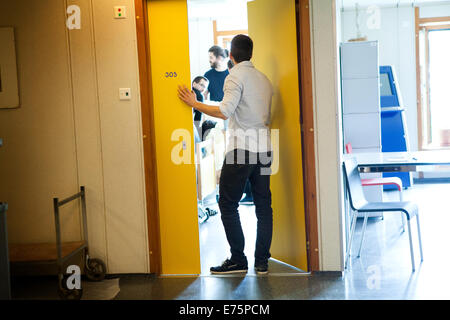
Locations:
(327, 273)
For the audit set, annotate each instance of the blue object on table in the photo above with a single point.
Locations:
(388, 90)
(393, 129)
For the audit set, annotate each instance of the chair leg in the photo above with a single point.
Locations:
(420, 238)
(352, 232)
(411, 246)
(363, 233)
(400, 194)
(403, 222)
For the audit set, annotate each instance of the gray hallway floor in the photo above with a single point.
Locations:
(382, 272)
(386, 254)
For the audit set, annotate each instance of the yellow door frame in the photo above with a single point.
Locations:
(306, 122)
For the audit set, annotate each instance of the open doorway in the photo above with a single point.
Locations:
(212, 26)
(276, 53)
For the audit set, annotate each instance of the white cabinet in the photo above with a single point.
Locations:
(361, 95)
(359, 60)
(361, 102)
(362, 130)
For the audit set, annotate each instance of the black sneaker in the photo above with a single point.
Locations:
(261, 269)
(229, 267)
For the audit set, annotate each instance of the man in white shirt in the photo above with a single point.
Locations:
(246, 103)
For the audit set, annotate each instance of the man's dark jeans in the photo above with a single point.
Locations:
(240, 165)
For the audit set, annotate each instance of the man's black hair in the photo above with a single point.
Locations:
(218, 51)
(241, 48)
(198, 79)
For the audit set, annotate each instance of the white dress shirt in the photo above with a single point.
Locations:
(247, 102)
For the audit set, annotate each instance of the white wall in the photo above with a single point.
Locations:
(121, 137)
(435, 10)
(396, 38)
(71, 130)
(324, 23)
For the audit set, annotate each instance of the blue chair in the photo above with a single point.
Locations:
(359, 203)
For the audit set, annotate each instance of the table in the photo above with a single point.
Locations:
(418, 161)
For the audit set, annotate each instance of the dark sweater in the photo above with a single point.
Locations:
(216, 82)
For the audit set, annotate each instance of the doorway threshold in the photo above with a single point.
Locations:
(276, 268)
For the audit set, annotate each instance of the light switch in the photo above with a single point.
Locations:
(125, 94)
(120, 12)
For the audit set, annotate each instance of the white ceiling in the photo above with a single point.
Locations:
(350, 4)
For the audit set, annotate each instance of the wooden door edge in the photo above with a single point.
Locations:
(307, 128)
(148, 134)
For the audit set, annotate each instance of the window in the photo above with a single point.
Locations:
(433, 49)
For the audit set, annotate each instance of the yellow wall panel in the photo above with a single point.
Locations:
(169, 50)
(272, 26)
